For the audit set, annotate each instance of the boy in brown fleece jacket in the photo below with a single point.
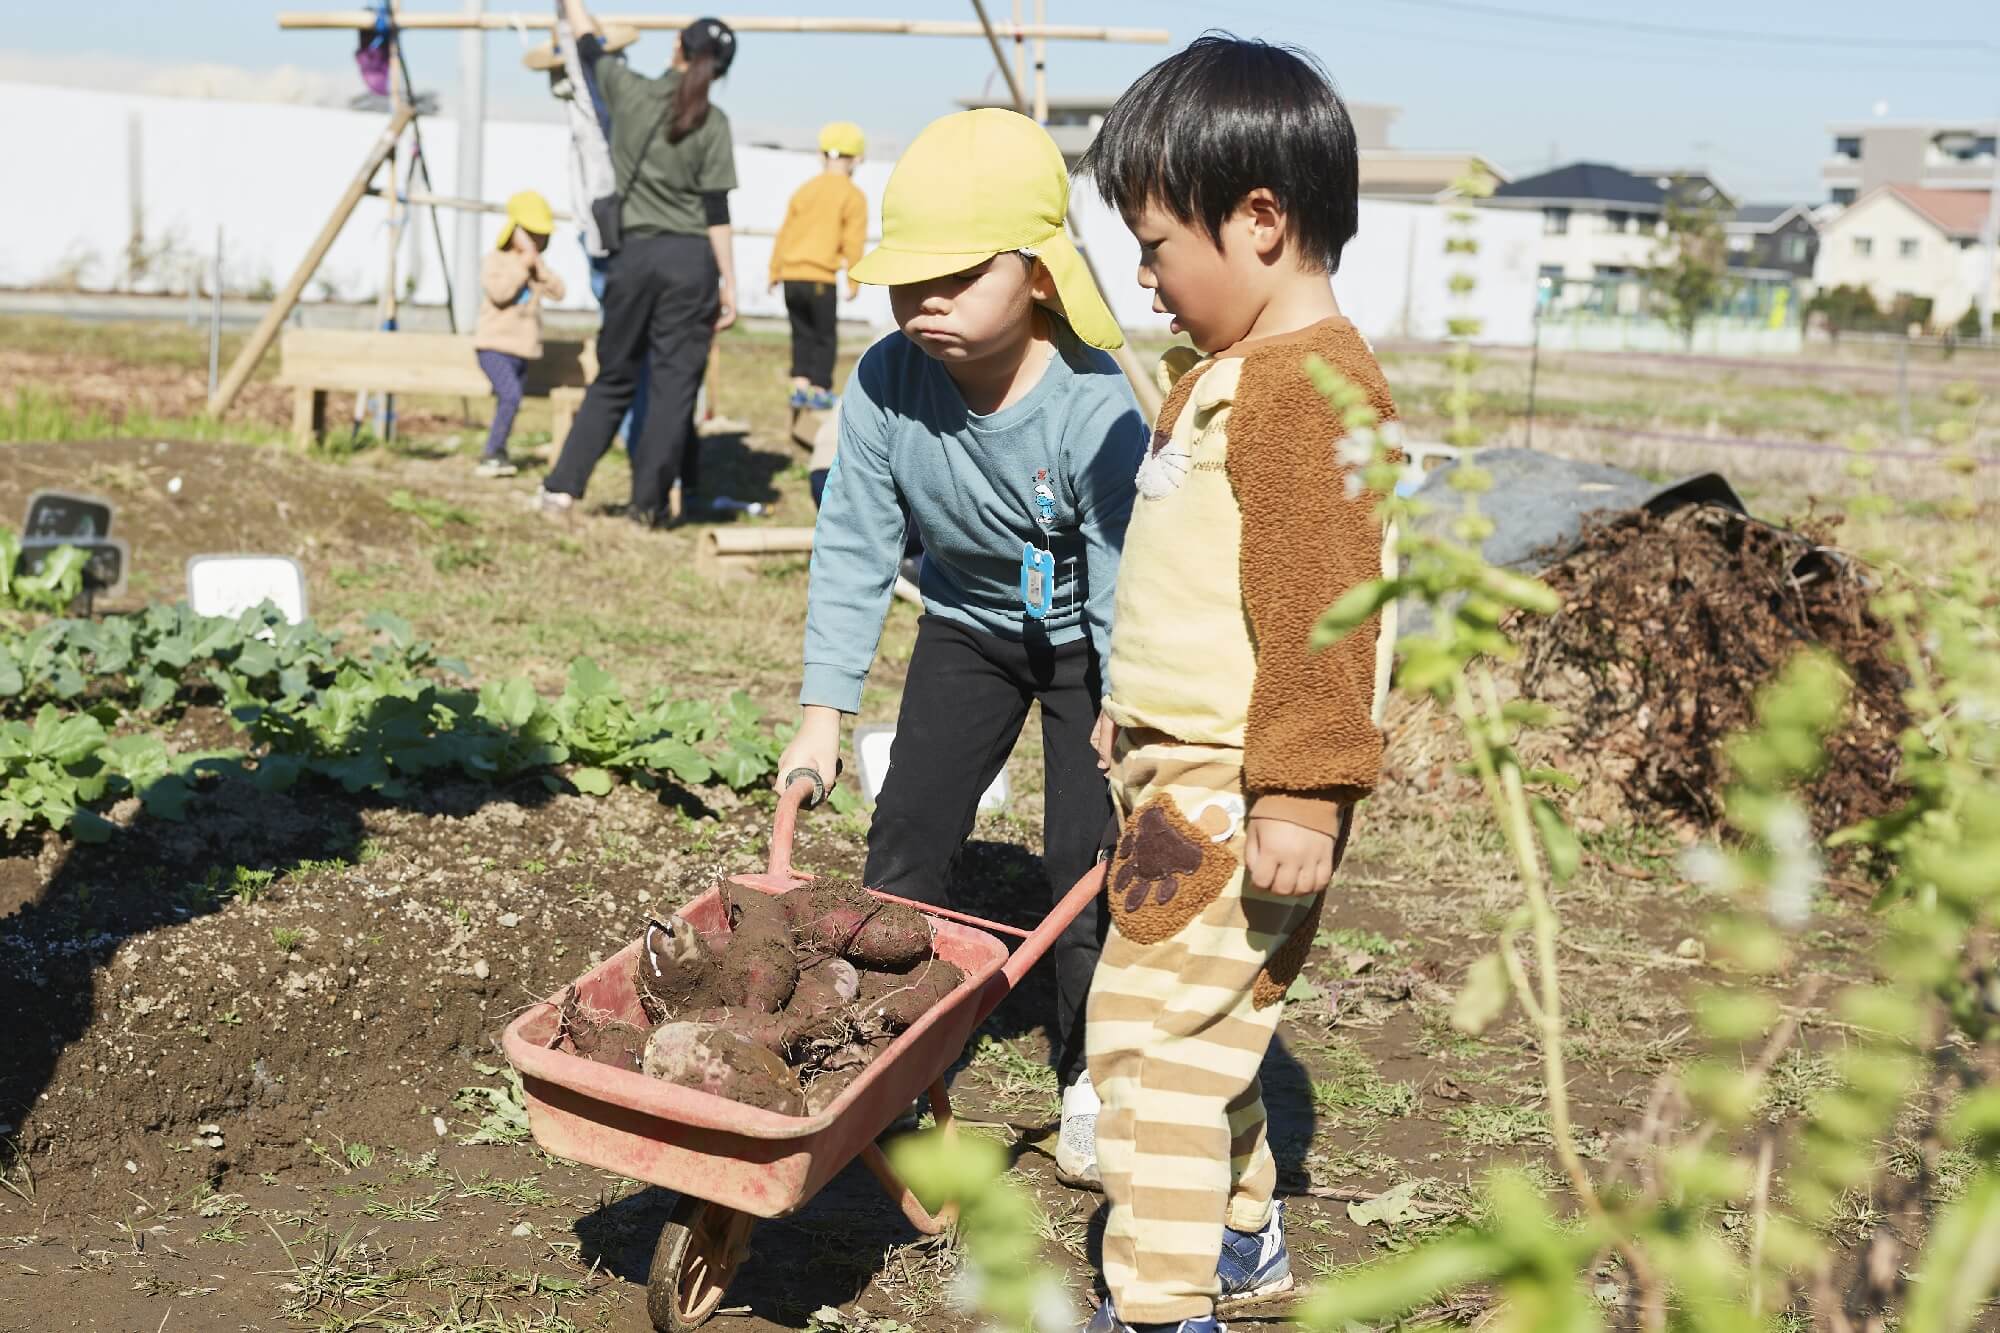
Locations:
(1236, 752)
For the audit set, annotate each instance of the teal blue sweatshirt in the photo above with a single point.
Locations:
(1054, 470)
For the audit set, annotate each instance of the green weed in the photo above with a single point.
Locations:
(1350, 1083)
(1481, 1126)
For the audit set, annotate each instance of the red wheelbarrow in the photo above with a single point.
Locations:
(732, 1163)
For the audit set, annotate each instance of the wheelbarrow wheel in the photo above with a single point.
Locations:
(700, 1249)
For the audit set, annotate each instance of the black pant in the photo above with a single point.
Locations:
(964, 702)
(660, 296)
(815, 332)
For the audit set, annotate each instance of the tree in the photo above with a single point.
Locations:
(1845, 308)
(1690, 273)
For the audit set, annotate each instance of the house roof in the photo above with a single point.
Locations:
(1956, 213)
(1586, 181)
(1766, 217)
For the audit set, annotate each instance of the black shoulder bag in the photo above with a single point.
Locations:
(609, 210)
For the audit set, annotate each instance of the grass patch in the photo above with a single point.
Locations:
(32, 415)
(1479, 1126)
(1795, 1081)
(1348, 1082)
(423, 1209)
(437, 513)
(524, 1192)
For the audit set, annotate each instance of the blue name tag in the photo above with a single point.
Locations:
(1038, 580)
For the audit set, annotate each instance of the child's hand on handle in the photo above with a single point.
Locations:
(815, 747)
(1103, 735)
(1287, 859)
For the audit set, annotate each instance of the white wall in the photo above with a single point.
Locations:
(269, 174)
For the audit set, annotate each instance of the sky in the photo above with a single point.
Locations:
(1746, 90)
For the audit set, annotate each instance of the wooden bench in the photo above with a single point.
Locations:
(315, 362)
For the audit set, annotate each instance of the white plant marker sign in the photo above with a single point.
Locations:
(229, 585)
(871, 756)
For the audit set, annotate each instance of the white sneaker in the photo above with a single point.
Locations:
(555, 504)
(496, 467)
(1076, 1145)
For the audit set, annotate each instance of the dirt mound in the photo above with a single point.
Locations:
(1668, 628)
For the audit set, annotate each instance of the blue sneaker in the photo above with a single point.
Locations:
(1255, 1264)
(1107, 1321)
(820, 400)
(800, 398)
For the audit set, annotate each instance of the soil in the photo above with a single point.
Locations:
(232, 1039)
(1669, 627)
(230, 498)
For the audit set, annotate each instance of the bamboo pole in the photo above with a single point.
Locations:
(999, 57)
(1041, 63)
(274, 317)
(389, 307)
(1142, 384)
(299, 20)
(1020, 51)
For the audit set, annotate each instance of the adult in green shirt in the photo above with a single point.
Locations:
(671, 287)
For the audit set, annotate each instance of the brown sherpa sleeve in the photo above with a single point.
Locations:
(1311, 744)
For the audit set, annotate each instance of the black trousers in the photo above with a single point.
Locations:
(964, 704)
(660, 296)
(815, 331)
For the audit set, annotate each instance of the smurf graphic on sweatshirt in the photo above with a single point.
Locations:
(1045, 500)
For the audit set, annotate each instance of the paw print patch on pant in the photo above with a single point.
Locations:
(1165, 873)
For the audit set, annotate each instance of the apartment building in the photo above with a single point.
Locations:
(1928, 155)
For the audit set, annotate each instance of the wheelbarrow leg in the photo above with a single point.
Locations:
(892, 1184)
(700, 1249)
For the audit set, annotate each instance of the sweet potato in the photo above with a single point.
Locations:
(841, 918)
(825, 917)
(818, 1008)
(771, 1031)
(712, 1059)
(892, 1002)
(895, 937)
(675, 972)
(853, 1062)
(596, 1035)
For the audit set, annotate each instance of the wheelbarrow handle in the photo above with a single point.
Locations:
(802, 787)
(1043, 936)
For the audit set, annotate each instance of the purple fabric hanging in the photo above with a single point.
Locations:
(371, 57)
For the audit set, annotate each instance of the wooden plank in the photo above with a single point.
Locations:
(437, 363)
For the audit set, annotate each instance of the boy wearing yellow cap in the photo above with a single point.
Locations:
(513, 280)
(993, 422)
(1236, 751)
(826, 224)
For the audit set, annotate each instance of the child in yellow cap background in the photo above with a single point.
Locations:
(1235, 749)
(826, 224)
(513, 281)
(994, 423)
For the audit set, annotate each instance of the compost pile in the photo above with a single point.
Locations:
(1670, 625)
(783, 1011)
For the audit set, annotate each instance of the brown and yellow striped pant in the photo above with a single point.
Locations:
(1182, 1009)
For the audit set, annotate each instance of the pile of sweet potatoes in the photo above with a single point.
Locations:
(782, 1011)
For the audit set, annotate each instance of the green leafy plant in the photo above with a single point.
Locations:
(382, 714)
(997, 1222)
(51, 588)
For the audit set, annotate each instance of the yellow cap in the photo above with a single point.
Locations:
(530, 212)
(974, 185)
(842, 138)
